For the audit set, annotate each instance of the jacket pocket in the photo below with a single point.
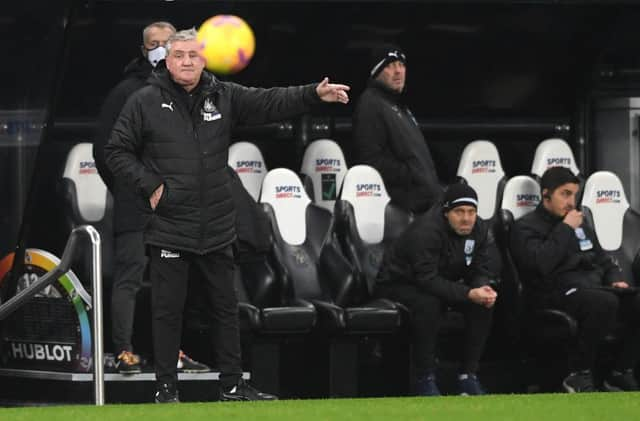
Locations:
(164, 199)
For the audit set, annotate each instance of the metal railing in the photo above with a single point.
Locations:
(52, 276)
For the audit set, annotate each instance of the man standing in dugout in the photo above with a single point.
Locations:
(387, 137)
(171, 141)
(563, 266)
(129, 216)
(442, 260)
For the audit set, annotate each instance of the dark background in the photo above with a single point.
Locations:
(511, 72)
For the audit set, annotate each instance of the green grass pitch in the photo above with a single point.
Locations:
(539, 407)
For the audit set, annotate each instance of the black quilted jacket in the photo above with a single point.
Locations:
(165, 135)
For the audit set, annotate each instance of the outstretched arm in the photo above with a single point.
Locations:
(259, 105)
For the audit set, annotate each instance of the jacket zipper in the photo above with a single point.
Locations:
(201, 172)
(192, 119)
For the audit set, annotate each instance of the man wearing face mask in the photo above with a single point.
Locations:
(563, 267)
(442, 260)
(129, 214)
(387, 137)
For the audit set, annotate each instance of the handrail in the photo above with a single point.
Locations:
(50, 277)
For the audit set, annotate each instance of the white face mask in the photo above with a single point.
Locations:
(155, 55)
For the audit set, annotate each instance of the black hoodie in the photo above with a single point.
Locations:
(157, 140)
(128, 207)
(387, 137)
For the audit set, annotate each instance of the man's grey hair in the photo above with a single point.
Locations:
(183, 35)
(159, 24)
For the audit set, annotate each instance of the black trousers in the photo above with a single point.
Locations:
(426, 314)
(598, 312)
(130, 261)
(169, 276)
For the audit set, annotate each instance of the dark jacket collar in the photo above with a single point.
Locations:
(138, 67)
(546, 215)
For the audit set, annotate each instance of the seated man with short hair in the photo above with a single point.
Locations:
(564, 267)
(442, 259)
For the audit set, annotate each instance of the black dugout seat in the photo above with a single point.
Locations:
(88, 202)
(263, 306)
(521, 195)
(365, 223)
(616, 224)
(262, 303)
(311, 267)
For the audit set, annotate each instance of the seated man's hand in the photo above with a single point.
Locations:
(620, 284)
(484, 296)
(573, 218)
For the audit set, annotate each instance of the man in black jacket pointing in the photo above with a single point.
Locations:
(171, 141)
(442, 260)
(129, 216)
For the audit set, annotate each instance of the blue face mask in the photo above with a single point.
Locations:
(156, 54)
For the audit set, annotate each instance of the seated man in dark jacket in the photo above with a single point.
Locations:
(440, 260)
(564, 267)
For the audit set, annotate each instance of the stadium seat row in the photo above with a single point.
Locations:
(330, 229)
(324, 167)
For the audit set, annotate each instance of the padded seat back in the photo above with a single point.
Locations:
(299, 231)
(364, 190)
(324, 168)
(553, 153)
(87, 193)
(366, 222)
(283, 191)
(521, 195)
(88, 202)
(247, 161)
(616, 225)
(481, 168)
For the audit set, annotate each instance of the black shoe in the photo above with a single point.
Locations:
(469, 385)
(579, 382)
(427, 386)
(187, 365)
(166, 393)
(128, 363)
(621, 381)
(243, 391)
